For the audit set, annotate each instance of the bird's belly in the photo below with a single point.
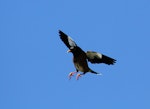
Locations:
(80, 63)
(82, 67)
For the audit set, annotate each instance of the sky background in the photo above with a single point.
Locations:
(34, 65)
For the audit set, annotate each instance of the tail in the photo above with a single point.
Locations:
(95, 72)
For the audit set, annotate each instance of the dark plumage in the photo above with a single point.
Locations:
(80, 57)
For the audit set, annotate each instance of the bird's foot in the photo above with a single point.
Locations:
(78, 75)
(71, 74)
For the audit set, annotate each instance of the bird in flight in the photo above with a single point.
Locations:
(81, 58)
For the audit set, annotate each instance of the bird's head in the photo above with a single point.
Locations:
(75, 50)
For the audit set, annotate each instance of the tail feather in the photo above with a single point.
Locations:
(94, 72)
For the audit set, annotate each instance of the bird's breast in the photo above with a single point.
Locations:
(80, 63)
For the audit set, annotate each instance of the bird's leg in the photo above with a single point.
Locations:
(71, 74)
(78, 76)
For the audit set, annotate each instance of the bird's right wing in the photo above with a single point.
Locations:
(95, 57)
(67, 40)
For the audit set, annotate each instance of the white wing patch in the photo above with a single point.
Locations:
(71, 42)
(99, 55)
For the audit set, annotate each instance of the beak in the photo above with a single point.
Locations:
(68, 51)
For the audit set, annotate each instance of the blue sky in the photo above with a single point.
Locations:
(35, 66)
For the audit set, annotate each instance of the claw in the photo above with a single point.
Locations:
(71, 74)
(78, 75)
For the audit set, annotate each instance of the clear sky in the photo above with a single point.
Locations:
(34, 65)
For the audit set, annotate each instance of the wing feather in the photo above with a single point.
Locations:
(95, 57)
(67, 40)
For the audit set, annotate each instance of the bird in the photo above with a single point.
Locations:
(81, 58)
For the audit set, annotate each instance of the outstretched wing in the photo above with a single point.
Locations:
(95, 57)
(67, 40)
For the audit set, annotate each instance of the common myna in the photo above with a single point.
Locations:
(80, 57)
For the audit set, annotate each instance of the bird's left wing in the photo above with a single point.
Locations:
(67, 40)
(95, 57)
